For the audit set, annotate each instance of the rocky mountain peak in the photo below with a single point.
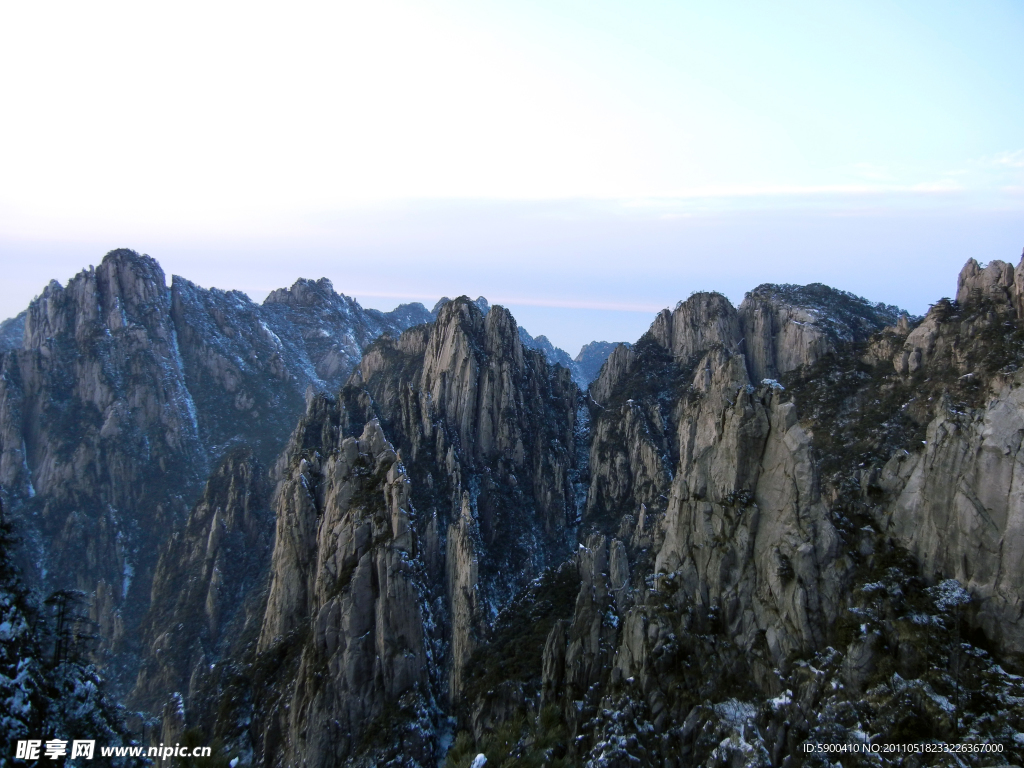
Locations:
(592, 356)
(126, 289)
(702, 321)
(994, 281)
(482, 304)
(796, 521)
(305, 293)
(777, 329)
(123, 393)
(466, 352)
(788, 326)
(135, 278)
(582, 375)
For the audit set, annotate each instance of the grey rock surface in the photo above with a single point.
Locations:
(592, 356)
(12, 331)
(205, 585)
(122, 393)
(796, 521)
(99, 442)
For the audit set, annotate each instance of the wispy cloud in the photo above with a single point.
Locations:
(1010, 159)
(792, 191)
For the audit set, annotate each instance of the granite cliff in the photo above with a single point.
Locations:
(793, 521)
(390, 556)
(119, 396)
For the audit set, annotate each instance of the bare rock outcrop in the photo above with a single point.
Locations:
(591, 637)
(491, 429)
(98, 436)
(119, 395)
(615, 369)
(746, 531)
(346, 586)
(995, 281)
(628, 463)
(463, 589)
(942, 427)
(954, 501)
(703, 321)
(249, 364)
(785, 327)
(591, 358)
(206, 585)
(779, 328)
(12, 332)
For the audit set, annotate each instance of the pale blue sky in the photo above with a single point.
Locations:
(583, 162)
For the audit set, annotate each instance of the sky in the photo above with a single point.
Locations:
(583, 163)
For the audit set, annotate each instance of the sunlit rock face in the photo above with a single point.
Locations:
(955, 501)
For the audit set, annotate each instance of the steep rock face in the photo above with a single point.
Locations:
(787, 326)
(239, 370)
(470, 395)
(955, 501)
(346, 586)
(629, 463)
(12, 331)
(462, 578)
(959, 507)
(249, 364)
(746, 531)
(591, 357)
(591, 637)
(995, 282)
(481, 303)
(635, 406)
(642, 427)
(119, 392)
(554, 355)
(99, 435)
(780, 339)
(997, 289)
(618, 365)
(205, 575)
(490, 429)
(701, 322)
(333, 329)
(778, 328)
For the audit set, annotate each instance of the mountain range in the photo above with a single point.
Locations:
(315, 534)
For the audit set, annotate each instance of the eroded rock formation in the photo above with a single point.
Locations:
(121, 394)
(793, 521)
(98, 434)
